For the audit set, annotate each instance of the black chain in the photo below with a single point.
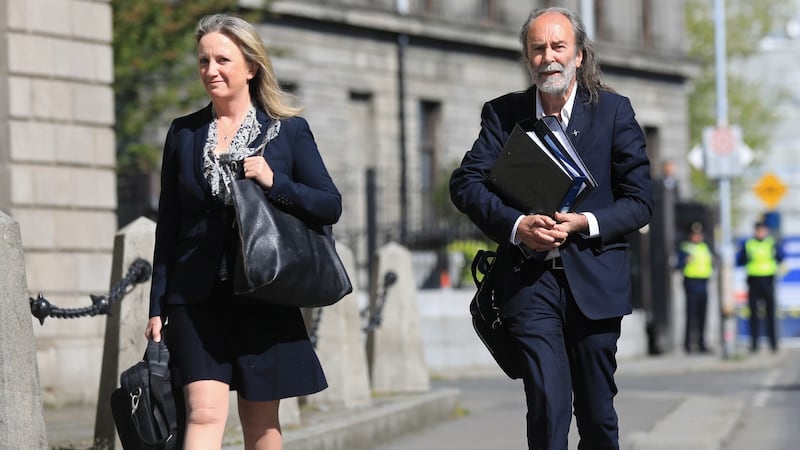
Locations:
(138, 272)
(374, 320)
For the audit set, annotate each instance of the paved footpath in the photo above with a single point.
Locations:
(494, 411)
(490, 414)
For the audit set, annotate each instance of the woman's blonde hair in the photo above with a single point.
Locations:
(264, 88)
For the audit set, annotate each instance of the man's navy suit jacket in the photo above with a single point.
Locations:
(611, 143)
(192, 224)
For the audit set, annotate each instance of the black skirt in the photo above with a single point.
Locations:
(260, 350)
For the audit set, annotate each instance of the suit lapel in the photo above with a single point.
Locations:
(198, 149)
(529, 110)
(263, 119)
(578, 119)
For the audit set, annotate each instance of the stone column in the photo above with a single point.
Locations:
(21, 420)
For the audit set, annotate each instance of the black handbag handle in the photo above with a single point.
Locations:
(233, 167)
(157, 357)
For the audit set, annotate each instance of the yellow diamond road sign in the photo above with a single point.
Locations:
(770, 189)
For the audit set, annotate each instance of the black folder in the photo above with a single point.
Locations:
(530, 177)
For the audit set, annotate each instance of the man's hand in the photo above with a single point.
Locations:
(543, 233)
(540, 233)
(571, 223)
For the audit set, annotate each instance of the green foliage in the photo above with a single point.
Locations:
(155, 72)
(747, 22)
(468, 249)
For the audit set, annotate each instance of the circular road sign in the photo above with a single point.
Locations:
(723, 140)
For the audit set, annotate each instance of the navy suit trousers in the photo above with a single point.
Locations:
(569, 358)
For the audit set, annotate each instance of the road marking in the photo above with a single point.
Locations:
(762, 396)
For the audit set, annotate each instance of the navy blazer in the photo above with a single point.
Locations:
(612, 144)
(192, 224)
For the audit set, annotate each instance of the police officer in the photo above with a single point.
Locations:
(761, 255)
(696, 262)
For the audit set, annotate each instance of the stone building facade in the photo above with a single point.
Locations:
(57, 172)
(391, 86)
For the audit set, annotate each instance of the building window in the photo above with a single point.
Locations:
(430, 117)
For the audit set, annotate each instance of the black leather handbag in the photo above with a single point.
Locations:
(485, 311)
(283, 260)
(146, 413)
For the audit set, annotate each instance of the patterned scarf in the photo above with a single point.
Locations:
(219, 170)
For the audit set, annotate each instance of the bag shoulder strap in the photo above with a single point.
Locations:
(482, 263)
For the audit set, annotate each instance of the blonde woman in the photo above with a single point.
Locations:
(218, 341)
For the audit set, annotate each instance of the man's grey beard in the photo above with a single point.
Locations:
(553, 86)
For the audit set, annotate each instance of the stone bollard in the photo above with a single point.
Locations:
(395, 347)
(340, 347)
(21, 418)
(124, 337)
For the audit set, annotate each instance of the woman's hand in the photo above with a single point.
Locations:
(153, 330)
(256, 168)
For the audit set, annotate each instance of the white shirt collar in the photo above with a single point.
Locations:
(566, 110)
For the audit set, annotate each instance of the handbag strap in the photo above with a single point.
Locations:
(482, 263)
(265, 138)
(164, 412)
(230, 166)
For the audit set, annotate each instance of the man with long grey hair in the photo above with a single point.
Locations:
(563, 278)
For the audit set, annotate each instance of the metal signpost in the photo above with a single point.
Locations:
(721, 162)
(722, 149)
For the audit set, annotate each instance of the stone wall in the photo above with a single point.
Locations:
(57, 157)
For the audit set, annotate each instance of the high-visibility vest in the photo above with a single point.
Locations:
(761, 257)
(700, 262)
